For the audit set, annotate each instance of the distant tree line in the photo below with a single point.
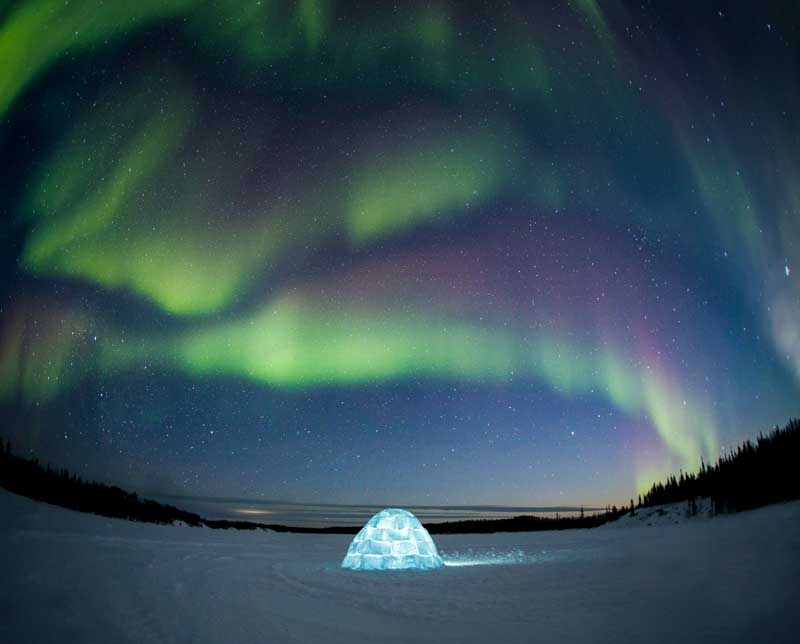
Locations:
(523, 523)
(30, 478)
(753, 475)
(59, 487)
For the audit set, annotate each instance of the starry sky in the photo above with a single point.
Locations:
(456, 253)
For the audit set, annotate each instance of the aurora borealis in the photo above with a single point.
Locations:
(529, 254)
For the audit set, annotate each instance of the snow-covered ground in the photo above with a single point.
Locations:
(664, 515)
(71, 577)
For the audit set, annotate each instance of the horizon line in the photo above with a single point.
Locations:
(441, 506)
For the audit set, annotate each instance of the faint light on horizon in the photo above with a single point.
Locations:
(250, 511)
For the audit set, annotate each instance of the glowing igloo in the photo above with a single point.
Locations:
(392, 540)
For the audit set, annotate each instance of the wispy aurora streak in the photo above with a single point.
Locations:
(119, 217)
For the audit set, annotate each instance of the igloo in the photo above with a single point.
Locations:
(393, 539)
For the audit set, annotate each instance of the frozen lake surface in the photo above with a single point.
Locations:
(71, 577)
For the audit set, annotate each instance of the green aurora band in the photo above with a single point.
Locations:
(263, 34)
(119, 215)
(293, 344)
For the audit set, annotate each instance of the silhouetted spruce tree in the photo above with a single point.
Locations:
(752, 475)
(60, 487)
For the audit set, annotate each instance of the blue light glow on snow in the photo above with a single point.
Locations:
(490, 558)
(392, 540)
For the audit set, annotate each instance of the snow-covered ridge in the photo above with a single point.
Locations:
(664, 515)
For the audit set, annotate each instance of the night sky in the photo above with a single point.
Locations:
(437, 253)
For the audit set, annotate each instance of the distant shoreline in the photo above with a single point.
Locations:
(329, 515)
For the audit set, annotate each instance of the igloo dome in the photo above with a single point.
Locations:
(392, 540)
